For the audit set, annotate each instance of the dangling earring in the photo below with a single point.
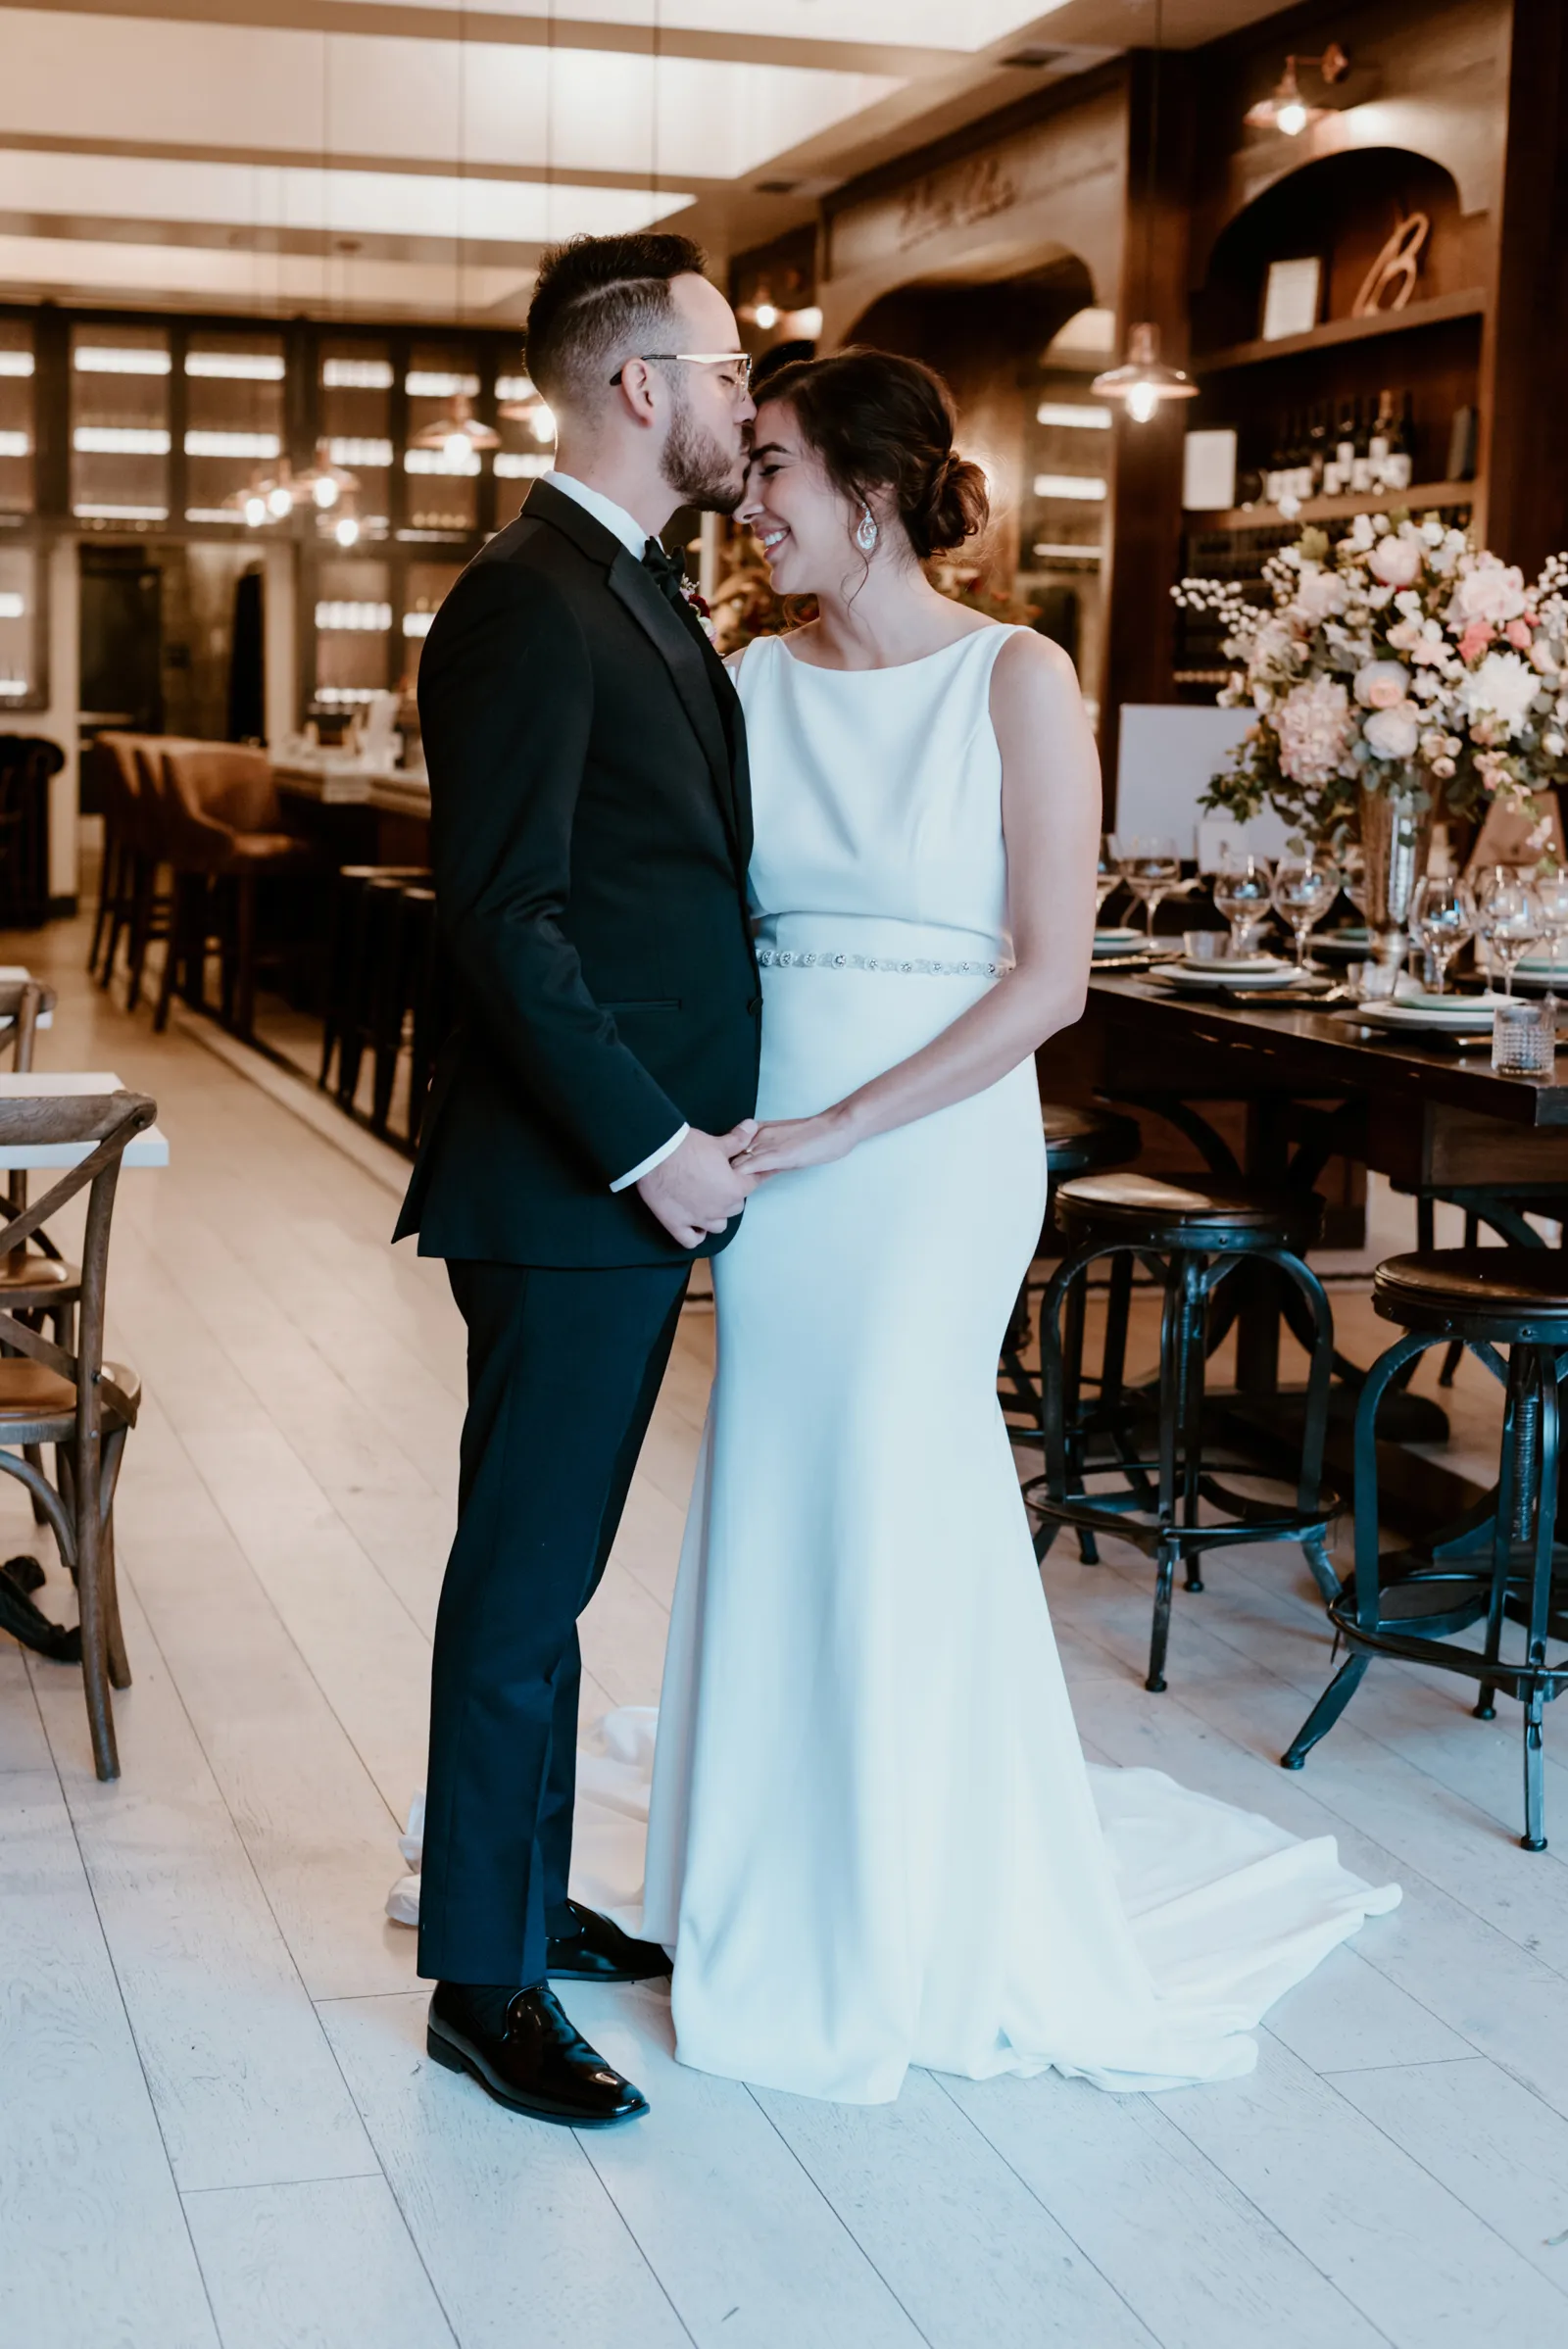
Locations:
(866, 532)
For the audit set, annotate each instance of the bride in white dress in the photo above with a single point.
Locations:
(873, 1839)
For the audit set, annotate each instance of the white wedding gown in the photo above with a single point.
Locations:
(873, 1839)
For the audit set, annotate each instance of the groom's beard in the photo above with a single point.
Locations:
(700, 468)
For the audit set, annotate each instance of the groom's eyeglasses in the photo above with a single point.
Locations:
(739, 364)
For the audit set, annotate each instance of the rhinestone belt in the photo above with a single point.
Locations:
(769, 957)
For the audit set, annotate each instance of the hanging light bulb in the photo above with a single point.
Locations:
(346, 530)
(767, 317)
(254, 509)
(457, 433)
(1143, 380)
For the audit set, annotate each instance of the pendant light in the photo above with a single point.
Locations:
(457, 434)
(1143, 379)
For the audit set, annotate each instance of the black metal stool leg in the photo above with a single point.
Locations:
(1327, 1710)
(1172, 1363)
(1189, 1372)
(1455, 1352)
(1072, 1403)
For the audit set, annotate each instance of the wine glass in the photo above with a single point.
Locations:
(1552, 889)
(1305, 886)
(1151, 864)
(1107, 874)
(1243, 889)
(1509, 917)
(1443, 915)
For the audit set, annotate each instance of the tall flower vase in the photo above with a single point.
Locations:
(1396, 842)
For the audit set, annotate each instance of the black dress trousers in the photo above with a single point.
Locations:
(563, 1371)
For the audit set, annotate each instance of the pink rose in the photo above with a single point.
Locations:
(1475, 640)
(1396, 562)
(1518, 635)
(1381, 684)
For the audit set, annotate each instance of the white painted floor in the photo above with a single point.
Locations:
(217, 2122)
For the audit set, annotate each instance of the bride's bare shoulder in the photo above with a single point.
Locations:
(1031, 669)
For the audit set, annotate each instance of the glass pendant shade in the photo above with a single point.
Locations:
(1143, 380)
(456, 432)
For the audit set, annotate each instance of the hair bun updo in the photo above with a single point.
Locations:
(882, 426)
(953, 506)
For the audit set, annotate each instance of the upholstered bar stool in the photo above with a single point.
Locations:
(1417, 1607)
(1078, 1142)
(1192, 1231)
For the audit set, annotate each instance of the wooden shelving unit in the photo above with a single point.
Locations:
(1334, 333)
(1421, 498)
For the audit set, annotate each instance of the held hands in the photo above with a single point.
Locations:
(699, 1187)
(786, 1144)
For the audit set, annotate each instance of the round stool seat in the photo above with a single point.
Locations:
(1514, 1294)
(1188, 1212)
(1081, 1142)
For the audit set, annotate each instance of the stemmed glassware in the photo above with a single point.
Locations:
(1151, 864)
(1108, 873)
(1443, 915)
(1352, 875)
(1509, 917)
(1553, 891)
(1305, 886)
(1243, 891)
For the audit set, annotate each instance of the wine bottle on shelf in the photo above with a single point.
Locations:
(1344, 449)
(1301, 456)
(1399, 466)
(1318, 437)
(1360, 461)
(1380, 442)
(1271, 473)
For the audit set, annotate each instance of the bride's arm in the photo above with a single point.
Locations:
(1050, 822)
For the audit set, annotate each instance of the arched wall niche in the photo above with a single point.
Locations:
(1341, 209)
(986, 340)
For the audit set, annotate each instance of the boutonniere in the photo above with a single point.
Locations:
(700, 605)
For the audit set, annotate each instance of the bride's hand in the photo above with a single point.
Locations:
(786, 1144)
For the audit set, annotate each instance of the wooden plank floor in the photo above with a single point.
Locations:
(217, 2123)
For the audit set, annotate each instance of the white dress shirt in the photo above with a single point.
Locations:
(634, 538)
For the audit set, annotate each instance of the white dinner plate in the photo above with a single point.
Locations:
(1436, 1013)
(1256, 980)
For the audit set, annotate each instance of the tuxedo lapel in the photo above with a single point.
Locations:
(698, 674)
(684, 659)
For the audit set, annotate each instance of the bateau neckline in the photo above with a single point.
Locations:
(892, 669)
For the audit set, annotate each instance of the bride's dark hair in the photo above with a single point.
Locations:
(880, 424)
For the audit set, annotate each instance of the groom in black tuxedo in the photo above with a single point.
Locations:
(590, 831)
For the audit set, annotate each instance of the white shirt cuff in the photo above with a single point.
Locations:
(666, 1151)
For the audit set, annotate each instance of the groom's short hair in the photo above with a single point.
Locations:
(597, 301)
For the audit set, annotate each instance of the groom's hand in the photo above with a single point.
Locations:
(696, 1190)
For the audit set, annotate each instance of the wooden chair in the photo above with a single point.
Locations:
(65, 1394)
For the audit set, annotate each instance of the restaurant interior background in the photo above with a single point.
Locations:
(208, 293)
(265, 267)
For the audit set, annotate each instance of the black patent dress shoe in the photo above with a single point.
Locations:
(535, 2061)
(595, 1950)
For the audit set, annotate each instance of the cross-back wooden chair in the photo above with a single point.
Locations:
(35, 1279)
(65, 1394)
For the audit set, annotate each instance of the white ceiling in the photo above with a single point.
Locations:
(349, 155)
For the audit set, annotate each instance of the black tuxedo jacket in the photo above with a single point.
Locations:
(590, 832)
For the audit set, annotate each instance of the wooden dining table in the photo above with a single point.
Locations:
(1316, 1083)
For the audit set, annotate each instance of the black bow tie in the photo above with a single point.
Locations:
(668, 572)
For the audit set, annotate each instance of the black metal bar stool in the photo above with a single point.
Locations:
(1078, 1142)
(353, 1012)
(1417, 1606)
(1193, 1233)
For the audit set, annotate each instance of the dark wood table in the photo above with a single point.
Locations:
(1316, 1084)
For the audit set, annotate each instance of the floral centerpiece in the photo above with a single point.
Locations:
(1399, 659)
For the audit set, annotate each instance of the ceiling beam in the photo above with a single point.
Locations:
(295, 160)
(396, 19)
